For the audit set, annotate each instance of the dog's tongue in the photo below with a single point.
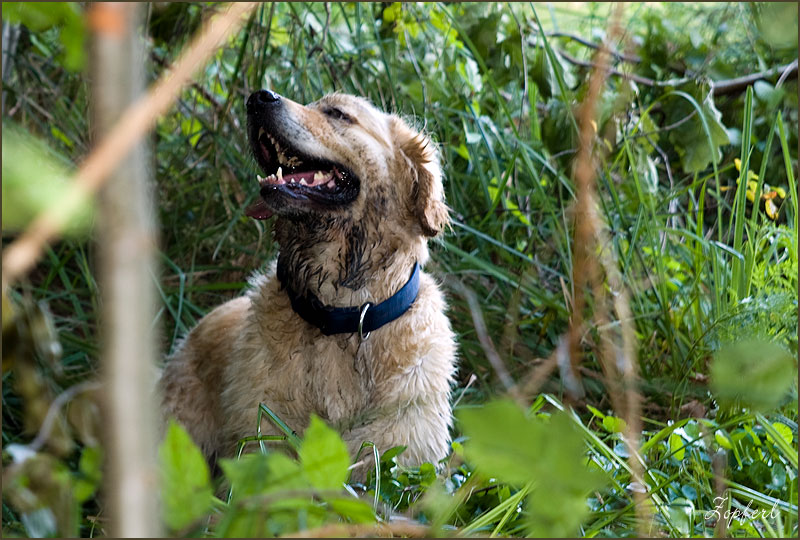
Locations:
(258, 210)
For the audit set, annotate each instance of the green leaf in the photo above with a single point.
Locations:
(723, 440)
(783, 430)
(392, 453)
(676, 446)
(595, 412)
(755, 374)
(90, 473)
(696, 148)
(35, 181)
(355, 510)
(501, 440)
(613, 424)
(759, 473)
(548, 452)
(40, 16)
(777, 23)
(680, 514)
(186, 490)
(323, 456)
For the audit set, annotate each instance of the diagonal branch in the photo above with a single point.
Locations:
(133, 124)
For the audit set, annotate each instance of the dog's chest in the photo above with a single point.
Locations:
(331, 377)
(337, 377)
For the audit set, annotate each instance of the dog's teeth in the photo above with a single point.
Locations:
(280, 173)
(261, 181)
(303, 182)
(331, 184)
(261, 132)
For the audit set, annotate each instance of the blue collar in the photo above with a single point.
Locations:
(362, 319)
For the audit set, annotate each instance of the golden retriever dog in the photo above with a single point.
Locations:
(344, 324)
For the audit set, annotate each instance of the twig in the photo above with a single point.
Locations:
(537, 376)
(483, 334)
(133, 124)
(198, 87)
(387, 530)
(719, 88)
(791, 68)
(630, 58)
(55, 407)
(613, 71)
(731, 86)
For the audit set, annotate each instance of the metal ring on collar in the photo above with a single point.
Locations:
(361, 333)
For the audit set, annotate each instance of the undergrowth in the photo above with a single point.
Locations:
(697, 192)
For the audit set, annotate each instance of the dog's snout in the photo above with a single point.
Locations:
(262, 98)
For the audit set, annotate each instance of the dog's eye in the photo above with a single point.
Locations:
(338, 114)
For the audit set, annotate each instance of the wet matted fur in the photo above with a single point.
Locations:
(351, 241)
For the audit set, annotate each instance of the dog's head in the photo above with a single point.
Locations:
(339, 157)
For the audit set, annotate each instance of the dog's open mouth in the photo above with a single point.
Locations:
(297, 180)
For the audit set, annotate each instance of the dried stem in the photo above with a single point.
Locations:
(133, 124)
(618, 360)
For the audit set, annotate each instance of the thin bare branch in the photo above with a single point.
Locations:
(719, 88)
(483, 334)
(383, 530)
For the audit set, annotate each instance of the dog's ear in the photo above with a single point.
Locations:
(425, 178)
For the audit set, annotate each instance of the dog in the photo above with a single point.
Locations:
(345, 324)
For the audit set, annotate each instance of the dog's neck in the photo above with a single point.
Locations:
(342, 264)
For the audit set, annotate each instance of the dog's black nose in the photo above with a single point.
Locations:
(262, 98)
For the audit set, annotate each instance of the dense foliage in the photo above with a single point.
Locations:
(697, 192)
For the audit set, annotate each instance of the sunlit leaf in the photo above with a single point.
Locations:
(676, 446)
(186, 490)
(756, 374)
(323, 456)
(35, 181)
(614, 424)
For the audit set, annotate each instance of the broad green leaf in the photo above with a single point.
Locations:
(323, 456)
(689, 137)
(784, 431)
(548, 452)
(35, 181)
(186, 490)
(723, 440)
(777, 23)
(595, 412)
(680, 514)
(613, 424)
(66, 16)
(676, 446)
(501, 441)
(755, 374)
(392, 453)
(256, 474)
(759, 473)
(352, 509)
